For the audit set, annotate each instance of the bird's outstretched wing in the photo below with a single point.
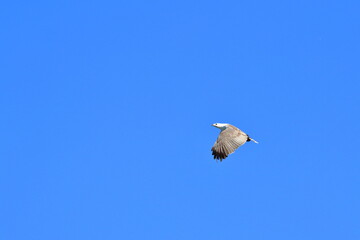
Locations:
(228, 141)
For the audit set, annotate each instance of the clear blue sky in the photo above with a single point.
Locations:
(106, 109)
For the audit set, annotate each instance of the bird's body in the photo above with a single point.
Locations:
(229, 139)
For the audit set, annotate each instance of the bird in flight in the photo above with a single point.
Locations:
(229, 139)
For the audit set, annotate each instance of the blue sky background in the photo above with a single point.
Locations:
(106, 110)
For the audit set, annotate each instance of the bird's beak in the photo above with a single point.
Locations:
(213, 125)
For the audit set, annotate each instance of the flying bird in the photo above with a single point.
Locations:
(229, 139)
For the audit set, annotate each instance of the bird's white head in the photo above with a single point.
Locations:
(221, 126)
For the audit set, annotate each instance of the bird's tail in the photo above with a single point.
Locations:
(253, 140)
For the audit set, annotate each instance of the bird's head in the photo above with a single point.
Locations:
(221, 126)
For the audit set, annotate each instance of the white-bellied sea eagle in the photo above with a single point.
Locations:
(229, 139)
